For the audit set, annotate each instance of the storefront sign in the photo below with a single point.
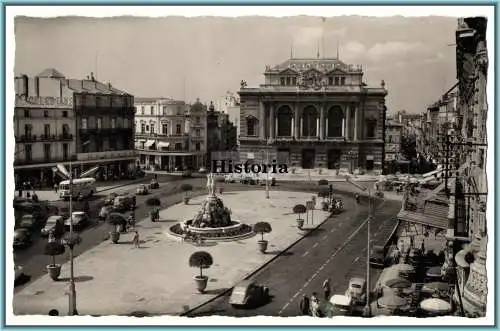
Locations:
(50, 101)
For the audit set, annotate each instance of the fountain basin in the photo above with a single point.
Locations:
(236, 231)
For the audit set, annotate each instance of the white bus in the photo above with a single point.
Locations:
(82, 188)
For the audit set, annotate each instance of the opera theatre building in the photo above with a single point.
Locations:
(314, 113)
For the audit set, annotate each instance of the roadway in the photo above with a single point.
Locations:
(336, 250)
(34, 260)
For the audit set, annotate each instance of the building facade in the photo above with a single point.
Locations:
(314, 113)
(170, 135)
(467, 231)
(58, 120)
(393, 137)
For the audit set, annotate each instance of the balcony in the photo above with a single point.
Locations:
(107, 131)
(26, 138)
(105, 155)
(41, 160)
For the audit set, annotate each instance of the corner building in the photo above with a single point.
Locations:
(314, 113)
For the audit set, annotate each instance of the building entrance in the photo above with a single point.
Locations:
(333, 159)
(308, 157)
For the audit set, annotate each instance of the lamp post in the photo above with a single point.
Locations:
(71, 243)
(367, 308)
(352, 156)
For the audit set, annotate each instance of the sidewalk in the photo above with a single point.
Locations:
(116, 279)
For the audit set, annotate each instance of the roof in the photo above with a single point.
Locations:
(156, 99)
(93, 87)
(51, 73)
(321, 64)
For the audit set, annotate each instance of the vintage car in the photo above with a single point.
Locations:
(154, 184)
(27, 222)
(79, 220)
(110, 199)
(54, 225)
(357, 290)
(22, 238)
(105, 211)
(124, 202)
(142, 190)
(18, 272)
(249, 293)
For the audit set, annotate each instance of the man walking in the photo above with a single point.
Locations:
(326, 288)
(304, 305)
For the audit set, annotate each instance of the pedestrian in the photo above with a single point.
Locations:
(136, 239)
(412, 242)
(56, 187)
(326, 288)
(422, 246)
(314, 305)
(20, 192)
(304, 305)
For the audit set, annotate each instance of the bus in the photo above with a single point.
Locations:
(82, 188)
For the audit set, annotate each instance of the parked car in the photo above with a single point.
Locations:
(202, 170)
(22, 238)
(79, 218)
(123, 202)
(357, 290)
(247, 179)
(18, 272)
(142, 190)
(378, 255)
(27, 222)
(105, 211)
(249, 293)
(110, 199)
(54, 225)
(154, 184)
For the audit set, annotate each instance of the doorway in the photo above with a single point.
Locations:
(308, 158)
(369, 163)
(333, 158)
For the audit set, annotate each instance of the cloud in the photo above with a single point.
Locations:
(389, 52)
(306, 35)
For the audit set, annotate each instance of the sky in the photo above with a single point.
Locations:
(203, 57)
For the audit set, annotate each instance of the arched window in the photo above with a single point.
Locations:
(309, 122)
(335, 122)
(251, 126)
(284, 117)
(371, 126)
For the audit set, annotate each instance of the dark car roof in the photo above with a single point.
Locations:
(21, 232)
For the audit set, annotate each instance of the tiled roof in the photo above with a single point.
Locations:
(50, 73)
(93, 87)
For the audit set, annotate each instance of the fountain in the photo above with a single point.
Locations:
(213, 221)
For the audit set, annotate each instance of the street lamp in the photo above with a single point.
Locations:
(352, 156)
(367, 308)
(71, 242)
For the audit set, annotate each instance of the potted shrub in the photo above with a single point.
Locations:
(54, 248)
(324, 193)
(187, 189)
(261, 228)
(202, 260)
(299, 209)
(118, 222)
(322, 182)
(154, 201)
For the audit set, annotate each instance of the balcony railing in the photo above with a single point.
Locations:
(105, 155)
(41, 160)
(44, 137)
(107, 131)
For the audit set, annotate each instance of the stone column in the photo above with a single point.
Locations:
(348, 123)
(297, 122)
(356, 122)
(322, 122)
(272, 123)
(317, 127)
(293, 127)
(262, 116)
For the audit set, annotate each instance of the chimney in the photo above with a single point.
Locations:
(109, 85)
(92, 77)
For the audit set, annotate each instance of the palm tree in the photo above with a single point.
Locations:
(299, 209)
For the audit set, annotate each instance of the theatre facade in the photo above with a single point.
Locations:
(314, 113)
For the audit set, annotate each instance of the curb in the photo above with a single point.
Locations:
(256, 270)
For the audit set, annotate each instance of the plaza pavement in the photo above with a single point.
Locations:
(117, 279)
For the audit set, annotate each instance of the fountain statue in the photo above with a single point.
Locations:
(213, 220)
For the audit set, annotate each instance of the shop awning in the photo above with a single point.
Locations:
(435, 305)
(89, 173)
(149, 143)
(163, 144)
(435, 221)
